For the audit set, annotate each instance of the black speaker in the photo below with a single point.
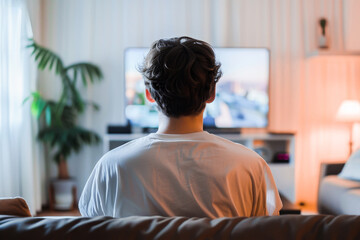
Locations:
(114, 129)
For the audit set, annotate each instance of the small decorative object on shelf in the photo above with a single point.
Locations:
(281, 157)
(323, 41)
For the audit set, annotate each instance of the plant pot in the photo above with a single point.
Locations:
(63, 194)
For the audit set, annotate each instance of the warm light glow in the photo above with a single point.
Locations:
(349, 111)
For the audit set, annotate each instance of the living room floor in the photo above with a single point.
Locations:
(48, 212)
(305, 210)
(308, 210)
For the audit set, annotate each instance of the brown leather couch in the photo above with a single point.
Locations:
(275, 227)
(18, 224)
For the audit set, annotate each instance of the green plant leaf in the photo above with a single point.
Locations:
(52, 62)
(59, 107)
(43, 56)
(96, 106)
(34, 49)
(93, 105)
(44, 61)
(38, 54)
(75, 76)
(37, 107)
(86, 69)
(26, 99)
(48, 115)
(83, 75)
(90, 73)
(58, 66)
(75, 96)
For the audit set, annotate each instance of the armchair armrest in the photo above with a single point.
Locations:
(16, 206)
(327, 169)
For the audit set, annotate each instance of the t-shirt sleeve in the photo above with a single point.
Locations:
(91, 201)
(273, 201)
(266, 199)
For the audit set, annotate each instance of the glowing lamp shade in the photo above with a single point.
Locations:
(349, 111)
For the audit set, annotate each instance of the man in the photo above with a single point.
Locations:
(180, 170)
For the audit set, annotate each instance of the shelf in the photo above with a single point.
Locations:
(331, 53)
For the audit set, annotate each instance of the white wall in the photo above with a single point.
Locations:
(98, 31)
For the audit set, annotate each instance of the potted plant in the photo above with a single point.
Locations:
(58, 119)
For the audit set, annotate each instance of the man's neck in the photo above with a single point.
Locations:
(180, 125)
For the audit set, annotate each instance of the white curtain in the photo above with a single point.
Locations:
(19, 161)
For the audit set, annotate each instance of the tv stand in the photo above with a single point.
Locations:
(218, 131)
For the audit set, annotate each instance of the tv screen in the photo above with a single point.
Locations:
(242, 99)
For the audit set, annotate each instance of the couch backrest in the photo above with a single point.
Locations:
(274, 227)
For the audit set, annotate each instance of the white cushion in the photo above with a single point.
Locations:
(351, 169)
(350, 202)
(331, 192)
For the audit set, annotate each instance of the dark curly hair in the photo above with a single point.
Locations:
(180, 74)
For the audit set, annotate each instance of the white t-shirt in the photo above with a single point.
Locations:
(195, 175)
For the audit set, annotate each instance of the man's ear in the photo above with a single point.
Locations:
(148, 96)
(212, 97)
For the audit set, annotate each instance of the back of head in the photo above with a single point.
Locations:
(181, 75)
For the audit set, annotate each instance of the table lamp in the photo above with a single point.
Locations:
(349, 112)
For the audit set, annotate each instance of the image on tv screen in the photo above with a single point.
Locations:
(242, 99)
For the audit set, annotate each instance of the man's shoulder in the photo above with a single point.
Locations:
(231, 145)
(237, 151)
(130, 148)
(136, 143)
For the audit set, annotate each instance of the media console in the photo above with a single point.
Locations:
(277, 150)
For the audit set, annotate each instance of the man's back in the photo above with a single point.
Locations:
(196, 175)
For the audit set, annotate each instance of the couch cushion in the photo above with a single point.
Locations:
(268, 227)
(331, 190)
(14, 206)
(351, 169)
(350, 202)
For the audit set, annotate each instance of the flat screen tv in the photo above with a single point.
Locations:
(242, 99)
